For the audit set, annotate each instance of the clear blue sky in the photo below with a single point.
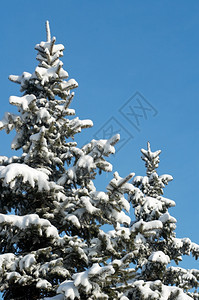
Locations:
(113, 49)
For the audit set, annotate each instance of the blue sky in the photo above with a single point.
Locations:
(123, 54)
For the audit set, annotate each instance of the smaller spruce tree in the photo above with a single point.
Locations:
(158, 246)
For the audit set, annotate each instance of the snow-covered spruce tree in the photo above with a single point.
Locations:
(156, 241)
(53, 245)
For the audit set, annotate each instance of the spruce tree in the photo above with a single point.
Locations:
(53, 243)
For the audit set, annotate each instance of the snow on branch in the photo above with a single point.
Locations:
(157, 291)
(183, 246)
(29, 221)
(23, 269)
(9, 174)
(23, 102)
(88, 280)
(10, 121)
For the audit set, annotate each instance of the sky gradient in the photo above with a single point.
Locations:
(137, 65)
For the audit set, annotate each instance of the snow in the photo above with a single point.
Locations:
(146, 226)
(12, 275)
(160, 257)
(27, 261)
(95, 269)
(23, 222)
(44, 45)
(120, 231)
(86, 123)
(86, 201)
(37, 136)
(85, 161)
(16, 141)
(177, 243)
(121, 217)
(23, 102)
(152, 204)
(137, 179)
(100, 196)
(74, 220)
(3, 159)
(145, 290)
(166, 201)
(10, 173)
(166, 178)
(43, 284)
(23, 79)
(140, 239)
(68, 289)
(6, 259)
(70, 84)
(124, 203)
(195, 247)
(5, 120)
(116, 263)
(122, 181)
(43, 114)
(167, 218)
(107, 145)
(157, 291)
(145, 180)
(50, 73)
(84, 278)
(119, 186)
(148, 153)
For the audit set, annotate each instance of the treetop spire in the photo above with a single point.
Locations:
(148, 146)
(48, 34)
